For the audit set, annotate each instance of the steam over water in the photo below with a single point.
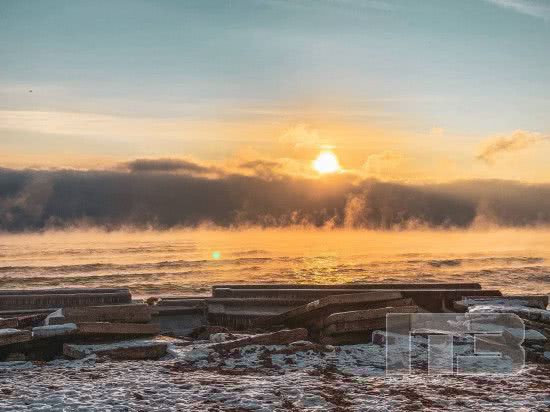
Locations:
(189, 262)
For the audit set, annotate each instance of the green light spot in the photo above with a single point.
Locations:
(216, 255)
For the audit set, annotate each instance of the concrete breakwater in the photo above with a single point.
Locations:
(57, 298)
(44, 324)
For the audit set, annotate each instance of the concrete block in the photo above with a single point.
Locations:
(359, 315)
(367, 326)
(9, 336)
(117, 329)
(26, 312)
(532, 301)
(360, 326)
(536, 315)
(57, 298)
(280, 294)
(175, 310)
(6, 323)
(126, 350)
(313, 314)
(132, 313)
(183, 302)
(543, 328)
(258, 302)
(441, 300)
(179, 323)
(50, 331)
(242, 313)
(365, 286)
(28, 320)
(55, 318)
(361, 320)
(433, 300)
(532, 335)
(282, 337)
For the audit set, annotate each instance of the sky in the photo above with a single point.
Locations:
(413, 91)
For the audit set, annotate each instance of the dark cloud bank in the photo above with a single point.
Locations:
(35, 200)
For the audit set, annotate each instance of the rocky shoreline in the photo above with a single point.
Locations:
(326, 354)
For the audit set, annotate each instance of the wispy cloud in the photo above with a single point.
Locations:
(338, 4)
(301, 135)
(534, 8)
(169, 165)
(518, 140)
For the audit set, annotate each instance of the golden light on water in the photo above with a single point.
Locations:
(326, 162)
(216, 255)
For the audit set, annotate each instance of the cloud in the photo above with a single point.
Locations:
(518, 140)
(262, 167)
(300, 136)
(263, 164)
(533, 8)
(270, 169)
(168, 165)
(35, 200)
(385, 165)
(351, 5)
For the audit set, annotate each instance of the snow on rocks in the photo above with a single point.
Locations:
(535, 301)
(219, 337)
(535, 314)
(204, 332)
(533, 317)
(336, 381)
(300, 375)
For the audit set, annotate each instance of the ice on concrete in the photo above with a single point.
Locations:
(54, 330)
(8, 331)
(535, 314)
(132, 349)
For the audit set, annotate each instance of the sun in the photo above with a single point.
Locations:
(326, 162)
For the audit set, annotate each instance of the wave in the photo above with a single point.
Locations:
(479, 261)
(96, 267)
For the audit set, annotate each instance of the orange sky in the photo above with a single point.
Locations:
(384, 151)
(399, 90)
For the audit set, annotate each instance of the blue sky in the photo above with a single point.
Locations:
(470, 69)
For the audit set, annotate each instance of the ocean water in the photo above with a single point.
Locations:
(189, 262)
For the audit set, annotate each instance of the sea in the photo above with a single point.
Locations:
(193, 377)
(189, 261)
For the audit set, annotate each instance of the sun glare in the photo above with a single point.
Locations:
(326, 162)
